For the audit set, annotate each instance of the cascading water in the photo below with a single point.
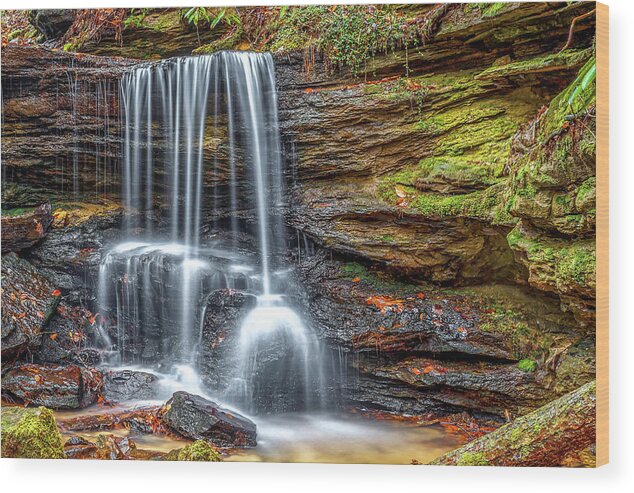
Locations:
(190, 125)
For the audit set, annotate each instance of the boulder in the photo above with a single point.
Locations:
(25, 230)
(197, 418)
(223, 314)
(126, 385)
(30, 434)
(54, 386)
(28, 301)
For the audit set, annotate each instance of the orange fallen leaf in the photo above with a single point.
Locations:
(420, 296)
(416, 371)
(356, 279)
(56, 292)
(53, 337)
(22, 315)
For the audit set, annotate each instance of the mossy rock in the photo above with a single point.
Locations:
(30, 434)
(199, 451)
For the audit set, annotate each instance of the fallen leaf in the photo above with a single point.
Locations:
(416, 371)
(53, 337)
(356, 279)
(56, 292)
(400, 191)
(420, 296)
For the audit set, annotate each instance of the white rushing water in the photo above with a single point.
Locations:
(189, 122)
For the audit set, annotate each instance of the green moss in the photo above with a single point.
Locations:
(568, 58)
(387, 238)
(347, 35)
(577, 264)
(563, 262)
(472, 459)
(586, 190)
(17, 211)
(488, 9)
(199, 451)
(527, 365)
(30, 434)
(574, 100)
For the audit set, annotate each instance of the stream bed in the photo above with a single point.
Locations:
(302, 437)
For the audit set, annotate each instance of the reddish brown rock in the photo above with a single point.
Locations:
(28, 301)
(53, 386)
(25, 230)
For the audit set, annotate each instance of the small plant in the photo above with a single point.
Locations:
(527, 365)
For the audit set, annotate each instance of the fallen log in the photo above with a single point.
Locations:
(542, 438)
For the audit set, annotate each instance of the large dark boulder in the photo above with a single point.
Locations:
(25, 230)
(194, 417)
(28, 301)
(54, 386)
(224, 312)
(126, 385)
(52, 23)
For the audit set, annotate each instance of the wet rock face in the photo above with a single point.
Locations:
(350, 315)
(405, 351)
(485, 387)
(28, 301)
(195, 417)
(60, 135)
(127, 385)
(70, 256)
(459, 250)
(57, 387)
(25, 230)
(69, 339)
(224, 312)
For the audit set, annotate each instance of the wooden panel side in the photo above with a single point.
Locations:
(602, 79)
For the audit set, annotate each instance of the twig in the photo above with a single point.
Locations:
(572, 28)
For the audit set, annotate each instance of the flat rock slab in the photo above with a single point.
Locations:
(126, 385)
(28, 301)
(140, 419)
(53, 386)
(195, 417)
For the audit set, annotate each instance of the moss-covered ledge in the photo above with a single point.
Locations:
(544, 437)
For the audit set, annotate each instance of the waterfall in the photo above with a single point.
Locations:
(191, 125)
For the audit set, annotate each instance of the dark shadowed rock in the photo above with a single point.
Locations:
(52, 23)
(28, 301)
(195, 417)
(25, 230)
(66, 327)
(125, 385)
(57, 387)
(224, 312)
